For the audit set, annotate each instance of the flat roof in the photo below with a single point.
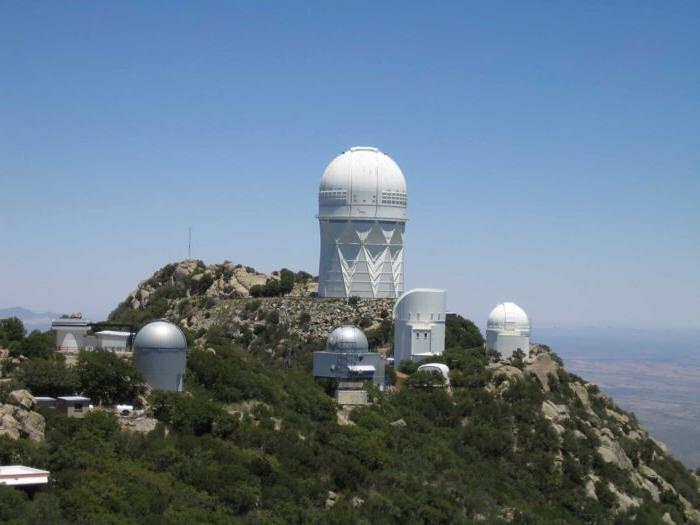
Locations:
(44, 398)
(73, 398)
(362, 368)
(20, 475)
(113, 332)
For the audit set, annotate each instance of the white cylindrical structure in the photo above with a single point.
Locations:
(419, 325)
(508, 329)
(362, 217)
(160, 354)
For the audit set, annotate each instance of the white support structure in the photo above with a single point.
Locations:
(419, 325)
(71, 334)
(362, 217)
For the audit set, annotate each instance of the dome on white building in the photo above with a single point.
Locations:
(508, 317)
(347, 338)
(160, 334)
(362, 183)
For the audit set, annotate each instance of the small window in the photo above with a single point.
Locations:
(425, 335)
(78, 407)
(417, 335)
(431, 317)
(418, 317)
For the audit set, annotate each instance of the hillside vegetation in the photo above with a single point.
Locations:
(255, 440)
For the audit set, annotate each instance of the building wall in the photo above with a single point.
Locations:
(112, 343)
(362, 258)
(507, 343)
(419, 324)
(335, 365)
(163, 369)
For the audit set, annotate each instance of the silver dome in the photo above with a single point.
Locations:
(347, 338)
(160, 334)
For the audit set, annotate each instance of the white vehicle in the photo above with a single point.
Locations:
(124, 410)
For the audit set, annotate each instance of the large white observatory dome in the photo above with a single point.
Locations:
(347, 338)
(362, 183)
(508, 317)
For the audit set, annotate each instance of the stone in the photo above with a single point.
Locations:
(12, 433)
(610, 451)
(331, 499)
(554, 412)
(33, 426)
(590, 489)
(142, 424)
(666, 518)
(398, 423)
(617, 416)
(542, 367)
(21, 398)
(624, 501)
(502, 369)
(581, 393)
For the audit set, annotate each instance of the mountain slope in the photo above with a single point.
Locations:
(254, 439)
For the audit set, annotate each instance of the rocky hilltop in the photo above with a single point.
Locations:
(230, 299)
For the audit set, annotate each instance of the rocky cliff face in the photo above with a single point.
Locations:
(625, 469)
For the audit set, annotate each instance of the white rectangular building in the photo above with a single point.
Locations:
(19, 475)
(419, 325)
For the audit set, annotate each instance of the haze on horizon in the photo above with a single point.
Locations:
(552, 152)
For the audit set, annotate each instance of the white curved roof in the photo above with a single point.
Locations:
(347, 338)
(160, 334)
(362, 183)
(508, 317)
(421, 300)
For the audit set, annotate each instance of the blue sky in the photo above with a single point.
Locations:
(552, 150)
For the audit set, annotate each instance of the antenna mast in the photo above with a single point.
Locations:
(189, 243)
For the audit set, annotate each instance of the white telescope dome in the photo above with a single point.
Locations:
(508, 317)
(363, 183)
(347, 338)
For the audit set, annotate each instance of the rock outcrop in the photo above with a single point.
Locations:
(577, 409)
(18, 420)
(201, 298)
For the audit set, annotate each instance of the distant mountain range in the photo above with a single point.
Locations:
(32, 320)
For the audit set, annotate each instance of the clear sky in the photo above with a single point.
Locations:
(551, 149)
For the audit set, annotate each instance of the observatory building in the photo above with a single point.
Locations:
(508, 329)
(160, 354)
(347, 358)
(362, 215)
(419, 325)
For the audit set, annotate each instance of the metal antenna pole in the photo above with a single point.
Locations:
(189, 243)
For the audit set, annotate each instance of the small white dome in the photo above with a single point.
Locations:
(347, 338)
(160, 334)
(361, 183)
(508, 317)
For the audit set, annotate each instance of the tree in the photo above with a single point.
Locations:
(38, 344)
(461, 333)
(286, 281)
(48, 377)
(107, 378)
(11, 329)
